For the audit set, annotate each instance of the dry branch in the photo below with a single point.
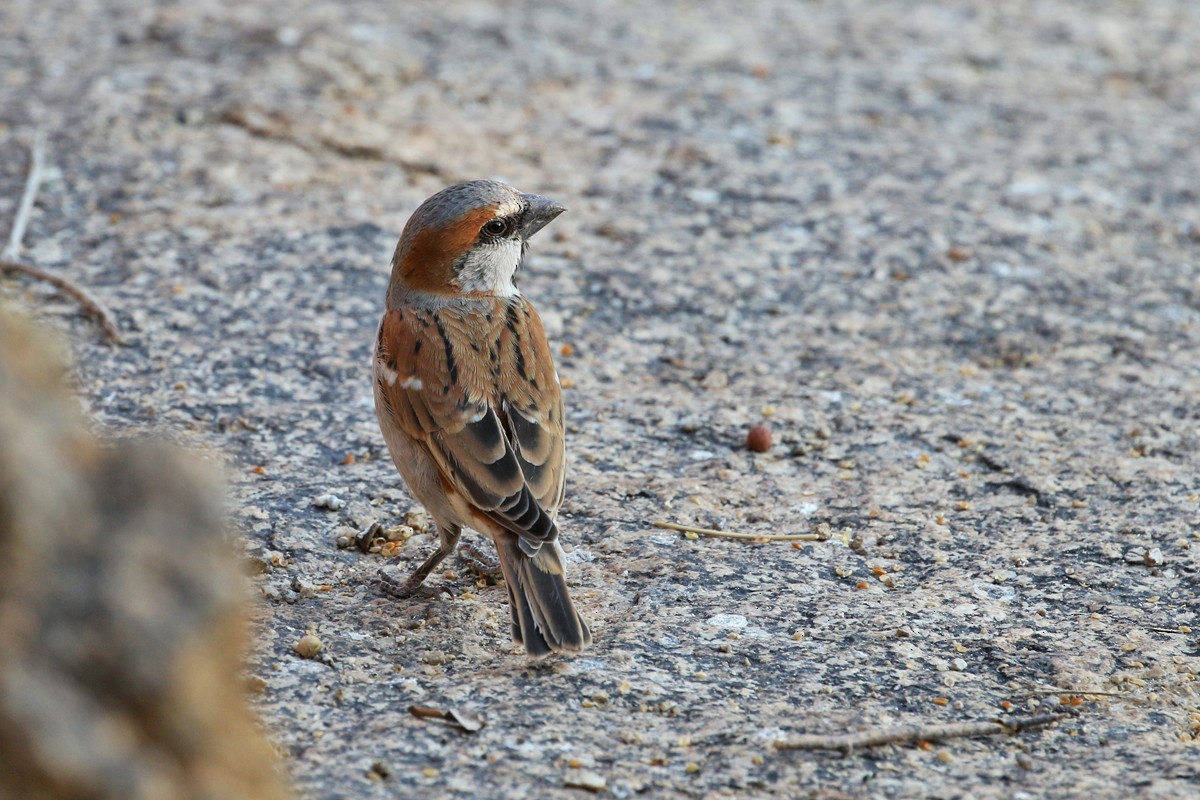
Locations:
(9, 263)
(91, 306)
(32, 181)
(912, 734)
(764, 537)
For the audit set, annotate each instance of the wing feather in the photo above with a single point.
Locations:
(492, 426)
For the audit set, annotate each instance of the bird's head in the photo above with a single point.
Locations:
(469, 239)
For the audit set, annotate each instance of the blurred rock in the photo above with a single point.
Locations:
(121, 611)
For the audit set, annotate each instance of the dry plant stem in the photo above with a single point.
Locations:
(32, 182)
(1072, 693)
(90, 305)
(279, 127)
(766, 537)
(425, 712)
(9, 263)
(911, 734)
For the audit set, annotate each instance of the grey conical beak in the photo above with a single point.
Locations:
(539, 211)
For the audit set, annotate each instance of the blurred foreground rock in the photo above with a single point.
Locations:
(121, 611)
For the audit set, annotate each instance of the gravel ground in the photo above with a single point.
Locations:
(948, 252)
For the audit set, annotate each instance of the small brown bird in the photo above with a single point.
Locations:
(469, 401)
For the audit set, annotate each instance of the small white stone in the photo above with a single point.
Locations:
(715, 379)
(705, 197)
(329, 501)
(585, 779)
(580, 555)
(1028, 186)
(806, 509)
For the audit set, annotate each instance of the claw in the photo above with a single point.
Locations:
(402, 589)
(479, 563)
(395, 587)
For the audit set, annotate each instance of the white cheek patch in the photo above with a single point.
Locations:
(490, 269)
(412, 382)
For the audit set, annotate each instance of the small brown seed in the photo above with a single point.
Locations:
(759, 439)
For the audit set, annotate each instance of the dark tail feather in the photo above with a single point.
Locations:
(543, 617)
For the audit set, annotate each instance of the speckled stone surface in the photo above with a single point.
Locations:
(950, 252)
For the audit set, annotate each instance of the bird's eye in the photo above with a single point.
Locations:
(496, 227)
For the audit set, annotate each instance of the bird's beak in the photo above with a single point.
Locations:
(539, 212)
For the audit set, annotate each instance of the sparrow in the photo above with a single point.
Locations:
(469, 401)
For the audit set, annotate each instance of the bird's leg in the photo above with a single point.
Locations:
(448, 539)
(478, 562)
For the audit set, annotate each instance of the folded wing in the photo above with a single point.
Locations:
(491, 423)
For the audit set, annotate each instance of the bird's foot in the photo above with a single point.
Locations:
(478, 562)
(394, 587)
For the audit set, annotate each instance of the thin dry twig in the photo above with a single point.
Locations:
(32, 182)
(764, 537)
(1071, 692)
(9, 262)
(279, 127)
(912, 734)
(91, 306)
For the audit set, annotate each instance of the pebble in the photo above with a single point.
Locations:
(417, 519)
(329, 501)
(1149, 556)
(585, 779)
(716, 379)
(704, 197)
(308, 646)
